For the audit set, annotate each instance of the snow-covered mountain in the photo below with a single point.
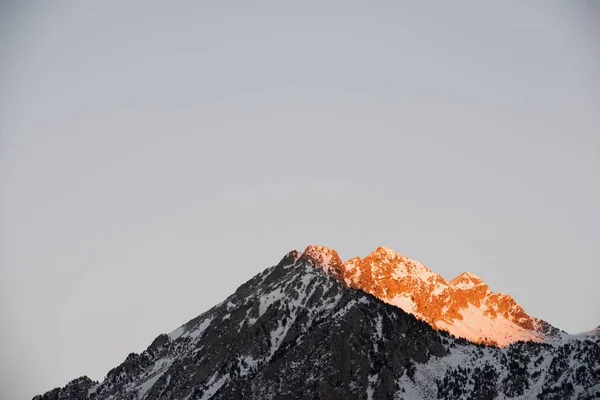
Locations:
(302, 329)
(465, 306)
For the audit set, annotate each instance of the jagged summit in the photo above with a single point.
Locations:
(290, 258)
(325, 258)
(321, 255)
(467, 280)
(384, 252)
(465, 306)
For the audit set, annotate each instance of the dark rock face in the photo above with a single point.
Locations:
(526, 370)
(76, 389)
(295, 332)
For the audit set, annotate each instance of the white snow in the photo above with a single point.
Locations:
(344, 310)
(378, 334)
(422, 271)
(214, 385)
(413, 269)
(177, 332)
(306, 278)
(411, 391)
(464, 285)
(476, 325)
(248, 364)
(199, 330)
(146, 386)
(277, 336)
(326, 258)
(372, 381)
(404, 302)
(94, 388)
(351, 271)
(152, 375)
(267, 299)
(466, 281)
(439, 289)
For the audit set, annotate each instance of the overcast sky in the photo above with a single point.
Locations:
(155, 156)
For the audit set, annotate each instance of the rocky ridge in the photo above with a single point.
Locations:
(465, 306)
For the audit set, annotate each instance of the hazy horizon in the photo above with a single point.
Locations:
(155, 157)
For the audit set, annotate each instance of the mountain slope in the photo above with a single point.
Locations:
(296, 331)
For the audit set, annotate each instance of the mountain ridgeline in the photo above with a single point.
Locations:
(383, 327)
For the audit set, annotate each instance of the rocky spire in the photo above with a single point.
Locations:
(324, 258)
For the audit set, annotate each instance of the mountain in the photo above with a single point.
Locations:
(465, 306)
(302, 329)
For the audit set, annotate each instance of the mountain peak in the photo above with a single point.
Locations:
(325, 258)
(466, 280)
(289, 259)
(383, 251)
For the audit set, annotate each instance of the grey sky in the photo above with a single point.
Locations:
(153, 157)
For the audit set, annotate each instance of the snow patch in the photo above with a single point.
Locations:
(404, 302)
(199, 330)
(267, 299)
(146, 386)
(477, 326)
(370, 388)
(214, 385)
(277, 336)
(246, 365)
(177, 332)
